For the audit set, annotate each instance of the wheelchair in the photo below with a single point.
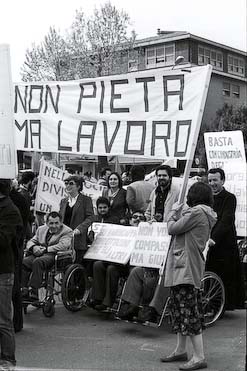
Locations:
(76, 291)
(213, 299)
(52, 284)
(75, 288)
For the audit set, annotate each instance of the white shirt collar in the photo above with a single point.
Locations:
(72, 200)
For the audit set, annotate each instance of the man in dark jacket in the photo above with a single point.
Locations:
(20, 201)
(105, 275)
(223, 255)
(103, 212)
(25, 189)
(10, 220)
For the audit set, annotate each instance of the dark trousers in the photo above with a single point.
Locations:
(17, 300)
(7, 336)
(16, 293)
(36, 266)
(140, 286)
(105, 281)
(160, 297)
(79, 256)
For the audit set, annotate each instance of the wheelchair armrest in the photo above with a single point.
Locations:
(63, 259)
(64, 253)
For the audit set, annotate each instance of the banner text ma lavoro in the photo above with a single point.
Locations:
(150, 114)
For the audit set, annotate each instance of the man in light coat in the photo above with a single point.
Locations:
(163, 196)
(49, 239)
(138, 192)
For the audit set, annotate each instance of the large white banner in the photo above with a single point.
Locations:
(151, 245)
(226, 150)
(152, 114)
(112, 243)
(8, 163)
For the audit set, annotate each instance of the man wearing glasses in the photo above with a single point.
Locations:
(77, 213)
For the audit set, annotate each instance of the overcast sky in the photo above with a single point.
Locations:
(27, 21)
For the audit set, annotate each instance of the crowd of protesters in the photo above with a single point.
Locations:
(208, 215)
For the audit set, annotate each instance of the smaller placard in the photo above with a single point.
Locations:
(112, 243)
(151, 245)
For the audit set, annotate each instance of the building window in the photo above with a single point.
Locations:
(132, 65)
(236, 65)
(236, 91)
(160, 56)
(210, 56)
(226, 89)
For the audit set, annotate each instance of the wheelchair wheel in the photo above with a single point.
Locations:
(213, 297)
(48, 309)
(74, 288)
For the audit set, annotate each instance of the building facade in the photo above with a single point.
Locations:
(229, 77)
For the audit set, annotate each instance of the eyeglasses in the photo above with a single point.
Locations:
(141, 217)
(69, 183)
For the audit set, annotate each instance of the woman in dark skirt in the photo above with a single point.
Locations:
(190, 229)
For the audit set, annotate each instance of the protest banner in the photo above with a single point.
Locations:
(50, 187)
(113, 243)
(8, 161)
(153, 113)
(151, 245)
(226, 150)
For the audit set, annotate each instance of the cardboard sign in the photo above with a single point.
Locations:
(152, 113)
(151, 245)
(112, 243)
(50, 188)
(226, 150)
(92, 190)
(8, 162)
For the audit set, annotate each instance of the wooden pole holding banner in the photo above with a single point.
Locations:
(194, 142)
(191, 154)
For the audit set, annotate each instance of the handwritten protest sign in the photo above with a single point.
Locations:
(151, 245)
(113, 243)
(226, 150)
(151, 113)
(8, 163)
(50, 188)
(92, 190)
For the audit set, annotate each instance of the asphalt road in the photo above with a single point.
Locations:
(88, 340)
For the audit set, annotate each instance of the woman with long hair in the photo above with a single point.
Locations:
(116, 194)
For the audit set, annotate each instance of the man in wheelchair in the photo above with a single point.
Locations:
(41, 250)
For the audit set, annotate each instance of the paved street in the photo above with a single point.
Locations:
(88, 340)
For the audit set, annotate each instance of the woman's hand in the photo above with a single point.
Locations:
(76, 232)
(152, 221)
(177, 207)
